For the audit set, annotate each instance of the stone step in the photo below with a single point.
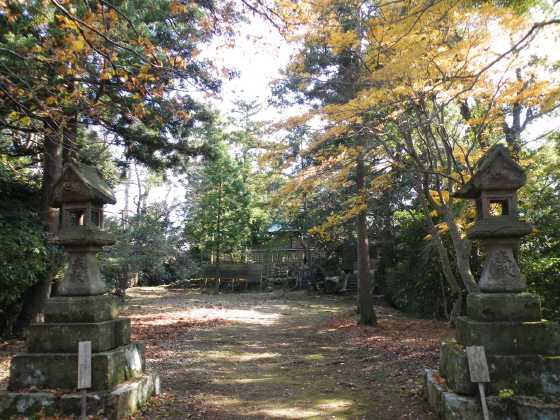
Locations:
(540, 337)
(524, 374)
(60, 370)
(118, 403)
(63, 337)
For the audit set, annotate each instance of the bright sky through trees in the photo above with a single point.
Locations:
(258, 56)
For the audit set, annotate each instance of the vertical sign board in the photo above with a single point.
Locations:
(478, 368)
(84, 372)
(84, 365)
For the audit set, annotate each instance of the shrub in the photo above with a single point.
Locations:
(413, 281)
(23, 249)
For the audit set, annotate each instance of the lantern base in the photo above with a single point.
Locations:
(525, 374)
(451, 406)
(119, 403)
(523, 357)
(60, 370)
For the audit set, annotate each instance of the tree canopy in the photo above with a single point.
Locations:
(385, 109)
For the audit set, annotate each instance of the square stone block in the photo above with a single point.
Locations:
(118, 403)
(451, 406)
(454, 368)
(434, 391)
(542, 337)
(14, 404)
(82, 308)
(63, 337)
(60, 370)
(460, 407)
(503, 307)
(129, 397)
(529, 408)
(525, 374)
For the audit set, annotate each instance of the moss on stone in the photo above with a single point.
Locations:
(81, 308)
(513, 307)
(64, 337)
(59, 370)
(510, 338)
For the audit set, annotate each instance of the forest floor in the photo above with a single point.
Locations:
(277, 355)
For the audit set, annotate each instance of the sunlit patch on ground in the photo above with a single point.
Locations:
(291, 413)
(333, 405)
(316, 357)
(201, 316)
(241, 381)
(236, 315)
(223, 401)
(239, 357)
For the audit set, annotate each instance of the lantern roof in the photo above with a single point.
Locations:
(81, 183)
(496, 171)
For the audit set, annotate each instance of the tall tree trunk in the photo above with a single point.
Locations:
(140, 193)
(70, 141)
(365, 297)
(445, 263)
(219, 237)
(462, 249)
(36, 296)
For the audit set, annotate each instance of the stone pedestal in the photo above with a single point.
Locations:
(120, 383)
(523, 355)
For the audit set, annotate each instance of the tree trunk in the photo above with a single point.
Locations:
(445, 263)
(70, 140)
(219, 237)
(365, 297)
(36, 296)
(462, 253)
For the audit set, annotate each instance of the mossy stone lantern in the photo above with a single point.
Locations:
(494, 188)
(521, 348)
(80, 194)
(43, 379)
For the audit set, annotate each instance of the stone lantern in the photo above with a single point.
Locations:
(80, 194)
(498, 228)
(522, 349)
(43, 380)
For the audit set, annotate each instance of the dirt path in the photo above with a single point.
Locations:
(280, 355)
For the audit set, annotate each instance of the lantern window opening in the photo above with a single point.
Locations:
(77, 217)
(96, 217)
(498, 208)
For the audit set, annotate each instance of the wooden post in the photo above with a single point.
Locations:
(478, 367)
(84, 373)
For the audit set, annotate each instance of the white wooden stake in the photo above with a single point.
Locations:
(84, 373)
(478, 368)
(483, 401)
